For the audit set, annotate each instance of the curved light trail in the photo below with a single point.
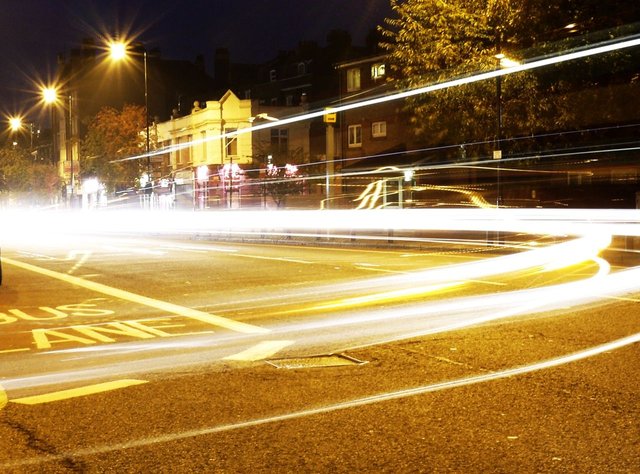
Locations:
(350, 315)
(349, 404)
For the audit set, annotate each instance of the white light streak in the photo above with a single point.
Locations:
(349, 404)
(615, 45)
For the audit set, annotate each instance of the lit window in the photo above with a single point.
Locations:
(377, 71)
(379, 129)
(353, 79)
(355, 136)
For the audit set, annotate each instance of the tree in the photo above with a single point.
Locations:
(433, 41)
(113, 135)
(22, 178)
(282, 181)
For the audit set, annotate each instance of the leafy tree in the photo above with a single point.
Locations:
(25, 179)
(432, 41)
(282, 181)
(112, 135)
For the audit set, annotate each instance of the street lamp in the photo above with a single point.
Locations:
(502, 62)
(16, 124)
(51, 97)
(119, 51)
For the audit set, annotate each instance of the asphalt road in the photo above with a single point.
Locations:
(151, 355)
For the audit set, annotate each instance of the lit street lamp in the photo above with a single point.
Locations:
(16, 124)
(118, 52)
(51, 97)
(502, 62)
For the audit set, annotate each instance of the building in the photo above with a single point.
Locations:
(88, 81)
(373, 138)
(213, 159)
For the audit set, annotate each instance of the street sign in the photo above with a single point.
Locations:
(329, 117)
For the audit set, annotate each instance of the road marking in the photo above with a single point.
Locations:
(278, 259)
(334, 407)
(381, 270)
(6, 351)
(3, 398)
(86, 254)
(212, 319)
(260, 351)
(77, 392)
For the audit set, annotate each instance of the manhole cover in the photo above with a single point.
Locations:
(332, 360)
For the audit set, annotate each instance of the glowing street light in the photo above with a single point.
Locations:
(503, 62)
(15, 123)
(49, 95)
(118, 51)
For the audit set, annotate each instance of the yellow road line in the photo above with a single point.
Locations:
(260, 351)
(144, 300)
(6, 351)
(78, 392)
(3, 397)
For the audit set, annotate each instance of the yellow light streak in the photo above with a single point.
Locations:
(385, 297)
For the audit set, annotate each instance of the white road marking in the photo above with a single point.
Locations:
(85, 256)
(77, 392)
(278, 259)
(144, 300)
(260, 351)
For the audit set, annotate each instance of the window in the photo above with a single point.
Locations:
(273, 75)
(302, 69)
(279, 141)
(355, 136)
(379, 129)
(231, 143)
(203, 138)
(247, 94)
(353, 79)
(184, 150)
(289, 100)
(377, 71)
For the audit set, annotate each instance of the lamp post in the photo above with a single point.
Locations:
(497, 150)
(51, 97)
(16, 124)
(118, 52)
(502, 62)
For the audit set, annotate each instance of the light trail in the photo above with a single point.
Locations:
(349, 404)
(343, 325)
(555, 222)
(602, 48)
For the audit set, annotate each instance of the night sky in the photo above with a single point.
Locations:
(34, 32)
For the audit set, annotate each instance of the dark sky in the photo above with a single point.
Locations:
(33, 32)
